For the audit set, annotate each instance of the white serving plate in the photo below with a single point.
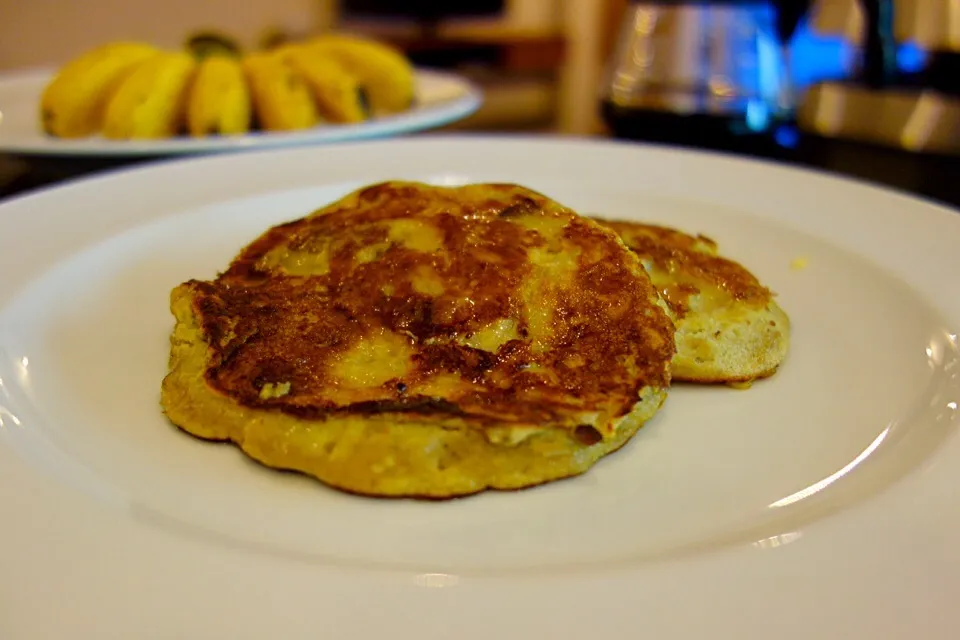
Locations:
(442, 98)
(821, 503)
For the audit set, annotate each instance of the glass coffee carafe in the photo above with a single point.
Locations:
(698, 70)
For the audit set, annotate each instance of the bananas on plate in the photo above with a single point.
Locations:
(133, 90)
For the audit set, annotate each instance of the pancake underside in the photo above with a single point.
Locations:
(731, 345)
(729, 328)
(386, 454)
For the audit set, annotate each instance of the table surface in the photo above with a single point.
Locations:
(930, 177)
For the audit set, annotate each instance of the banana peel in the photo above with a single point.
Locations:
(219, 101)
(150, 102)
(73, 103)
(384, 73)
(339, 96)
(281, 98)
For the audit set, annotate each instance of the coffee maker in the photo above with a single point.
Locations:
(879, 104)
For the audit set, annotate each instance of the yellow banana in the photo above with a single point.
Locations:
(339, 96)
(219, 100)
(385, 74)
(74, 101)
(151, 101)
(281, 99)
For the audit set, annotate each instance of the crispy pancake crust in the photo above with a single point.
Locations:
(424, 341)
(729, 328)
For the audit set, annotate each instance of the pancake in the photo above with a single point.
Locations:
(729, 329)
(422, 341)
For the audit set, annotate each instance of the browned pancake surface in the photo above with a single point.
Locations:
(489, 302)
(695, 261)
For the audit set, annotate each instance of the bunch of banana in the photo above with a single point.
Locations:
(130, 90)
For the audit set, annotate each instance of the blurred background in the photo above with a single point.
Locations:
(785, 79)
(539, 61)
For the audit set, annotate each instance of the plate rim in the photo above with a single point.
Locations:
(777, 581)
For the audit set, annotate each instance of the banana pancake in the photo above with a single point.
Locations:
(413, 340)
(728, 326)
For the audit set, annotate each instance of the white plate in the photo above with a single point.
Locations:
(442, 98)
(821, 503)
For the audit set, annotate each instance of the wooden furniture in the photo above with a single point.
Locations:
(537, 75)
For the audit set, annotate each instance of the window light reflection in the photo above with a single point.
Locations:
(6, 414)
(778, 541)
(449, 180)
(436, 580)
(826, 482)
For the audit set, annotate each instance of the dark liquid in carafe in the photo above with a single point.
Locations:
(717, 132)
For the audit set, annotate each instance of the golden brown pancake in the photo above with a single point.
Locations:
(412, 340)
(729, 328)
